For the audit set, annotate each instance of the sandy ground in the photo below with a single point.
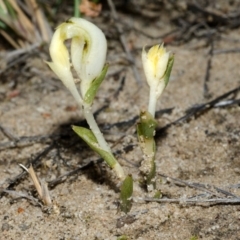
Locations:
(38, 111)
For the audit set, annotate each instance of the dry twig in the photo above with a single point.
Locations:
(41, 188)
(208, 69)
(199, 201)
(200, 108)
(26, 21)
(123, 41)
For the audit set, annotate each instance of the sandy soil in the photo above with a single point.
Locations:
(38, 112)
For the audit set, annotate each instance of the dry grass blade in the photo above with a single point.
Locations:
(42, 188)
(124, 42)
(9, 39)
(44, 27)
(23, 23)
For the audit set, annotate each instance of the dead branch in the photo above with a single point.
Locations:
(123, 41)
(17, 195)
(27, 141)
(206, 188)
(184, 201)
(207, 74)
(199, 109)
(225, 51)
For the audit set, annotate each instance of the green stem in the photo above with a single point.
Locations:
(76, 8)
(99, 136)
(152, 101)
(94, 127)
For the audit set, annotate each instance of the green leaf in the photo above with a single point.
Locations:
(126, 194)
(88, 136)
(147, 125)
(158, 194)
(92, 91)
(193, 238)
(168, 70)
(146, 131)
(123, 237)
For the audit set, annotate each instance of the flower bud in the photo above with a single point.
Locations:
(157, 63)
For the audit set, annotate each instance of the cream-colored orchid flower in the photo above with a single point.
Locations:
(88, 56)
(88, 53)
(60, 64)
(157, 65)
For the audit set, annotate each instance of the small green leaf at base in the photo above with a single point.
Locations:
(157, 194)
(126, 194)
(88, 136)
(123, 237)
(194, 238)
(147, 125)
(146, 130)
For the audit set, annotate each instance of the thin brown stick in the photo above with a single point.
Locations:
(196, 111)
(42, 23)
(9, 39)
(207, 188)
(212, 201)
(208, 71)
(123, 41)
(26, 141)
(200, 187)
(17, 194)
(224, 51)
(24, 22)
(8, 133)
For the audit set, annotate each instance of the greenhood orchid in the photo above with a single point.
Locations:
(88, 54)
(87, 58)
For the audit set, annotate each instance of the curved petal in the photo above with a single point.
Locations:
(58, 50)
(66, 77)
(95, 48)
(88, 52)
(148, 68)
(161, 65)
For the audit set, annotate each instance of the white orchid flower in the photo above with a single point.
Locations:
(157, 65)
(88, 54)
